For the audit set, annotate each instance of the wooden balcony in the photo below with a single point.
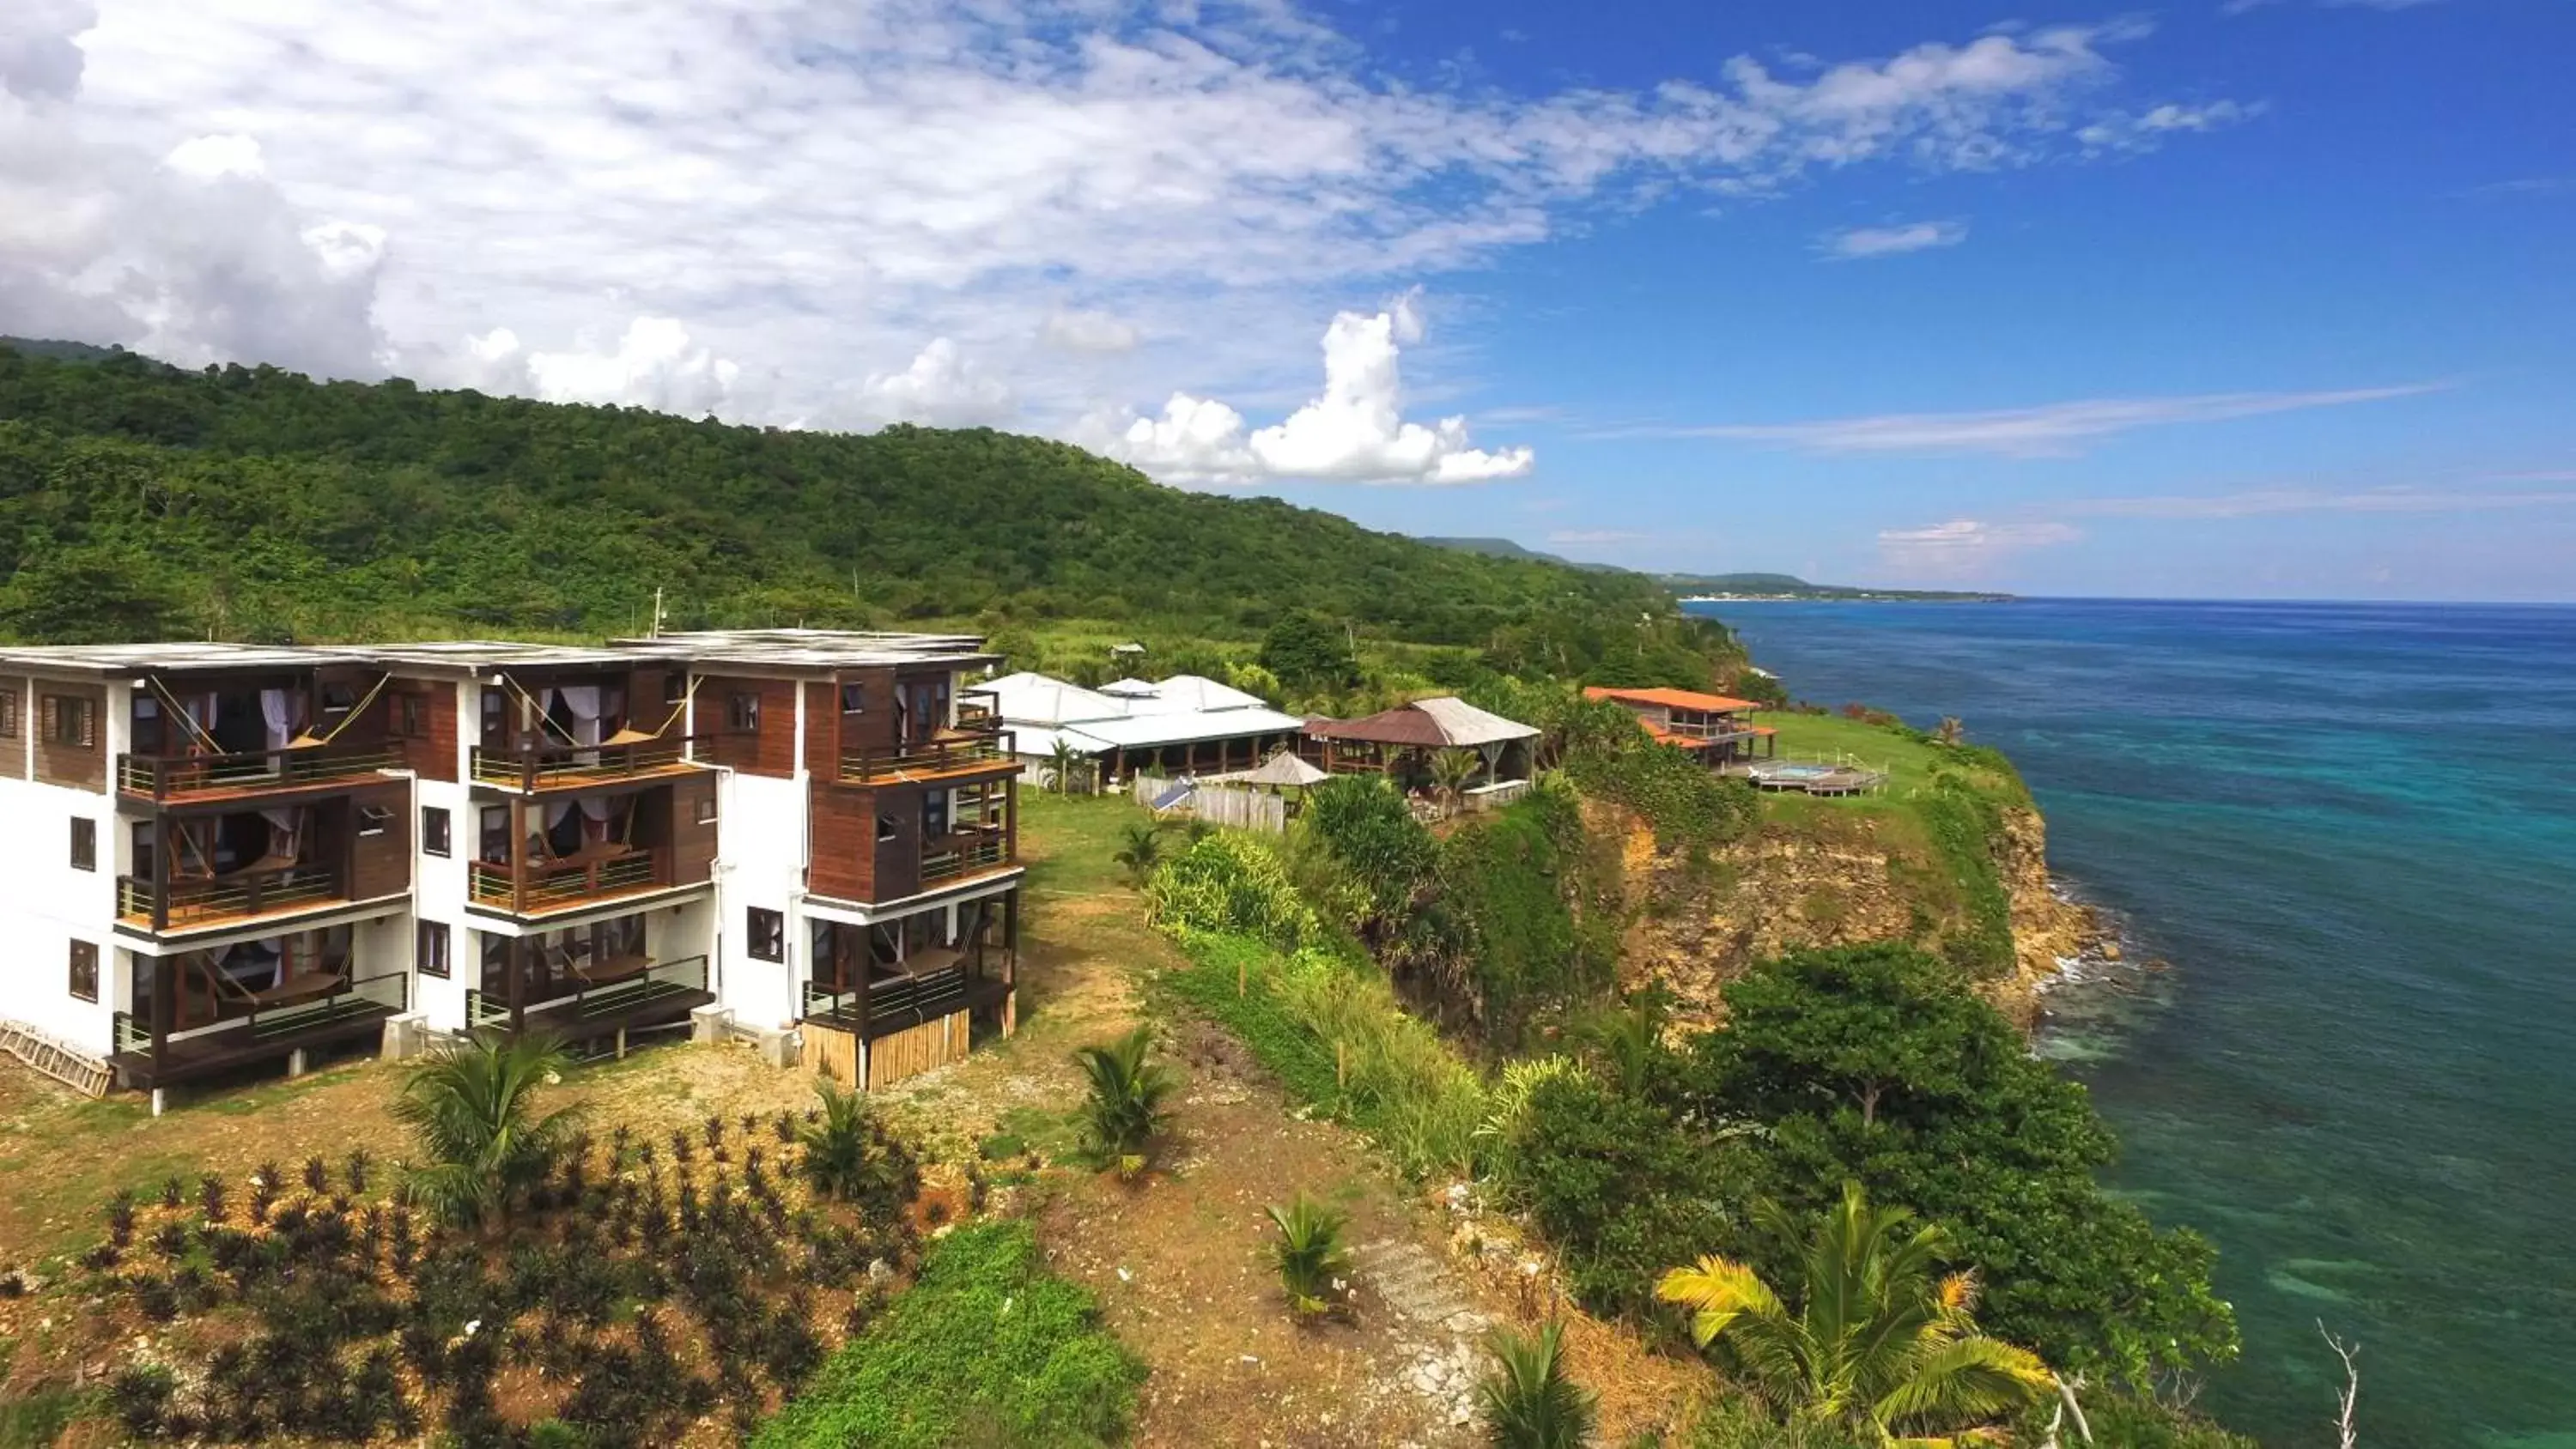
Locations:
(199, 779)
(344, 1008)
(963, 750)
(573, 883)
(967, 853)
(898, 1003)
(662, 992)
(240, 898)
(533, 770)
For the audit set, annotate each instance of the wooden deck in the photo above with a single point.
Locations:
(243, 1044)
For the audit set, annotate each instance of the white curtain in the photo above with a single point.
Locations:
(283, 828)
(594, 811)
(583, 699)
(273, 706)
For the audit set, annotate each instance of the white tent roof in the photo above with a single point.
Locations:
(1283, 768)
(1189, 726)
(1464, 724)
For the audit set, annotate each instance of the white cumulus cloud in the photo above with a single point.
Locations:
(1079, 330)
(655, 364)
(1354, 432)
(940, 389)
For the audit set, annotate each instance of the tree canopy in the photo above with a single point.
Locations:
(257, 503)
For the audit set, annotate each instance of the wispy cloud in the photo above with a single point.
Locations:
(2239, 7)
(2267, 502)
(1966, 547)
(1862, 242)
(1579, 537)
(2526, 186)
(2051, 430)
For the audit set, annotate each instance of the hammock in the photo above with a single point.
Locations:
(630, 735)
(306, 739)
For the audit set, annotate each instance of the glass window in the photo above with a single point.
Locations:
(767, 931)
(854, 699)
(84, 843)
(8, 714)
(85, 970)
(429, 949)
(71, 721)
(374, 819)
(433, 830)
(742, 712)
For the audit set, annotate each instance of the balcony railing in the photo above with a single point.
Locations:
(956, 858)
(964, 747)
(532, 767)
(203, 902)
(382, 994)
(663, 981)
(553, 887)
(192, 777)
(891, 1004)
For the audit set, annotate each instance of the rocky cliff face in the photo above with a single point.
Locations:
(1830, 878)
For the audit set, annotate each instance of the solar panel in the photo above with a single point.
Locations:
(1174, 793)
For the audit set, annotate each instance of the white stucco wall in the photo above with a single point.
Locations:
(46, 904)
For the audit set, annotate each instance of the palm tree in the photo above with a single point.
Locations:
(1951, 732)
(1452, 771)
(846, 1155)
(1528, 1400)
(473, 1111)
(1142, 852)
(1125, 1108)
(1309, 1255)
(1064, 766)
(1878, 1343)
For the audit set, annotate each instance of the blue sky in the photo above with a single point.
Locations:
(2226, 299)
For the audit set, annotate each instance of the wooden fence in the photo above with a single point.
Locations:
(1233, 806)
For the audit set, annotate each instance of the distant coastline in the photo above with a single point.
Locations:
(1852, 596)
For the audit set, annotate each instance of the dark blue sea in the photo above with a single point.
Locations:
(2351, 831)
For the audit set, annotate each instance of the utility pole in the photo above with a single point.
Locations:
(656, 631)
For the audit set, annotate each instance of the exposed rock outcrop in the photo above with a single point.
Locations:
(1822, 878)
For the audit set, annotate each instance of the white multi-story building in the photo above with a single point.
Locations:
(806, 836)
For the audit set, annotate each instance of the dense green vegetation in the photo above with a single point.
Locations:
(254, 503)
(987, 1347)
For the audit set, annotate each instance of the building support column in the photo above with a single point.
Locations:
(156, 1101)
(295, 1064)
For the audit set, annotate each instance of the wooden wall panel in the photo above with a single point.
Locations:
(898, 858)
(844, 843)
(20, 708)
(822, 729)
(693, 842)
(831, 1053)
(872, 728)
(909, 1053)
(82, 767)
(431, 754)
(770, 752)
(380, 864)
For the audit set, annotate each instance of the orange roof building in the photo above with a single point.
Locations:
(1713, 725)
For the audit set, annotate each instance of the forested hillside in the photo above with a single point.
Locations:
(140, 499)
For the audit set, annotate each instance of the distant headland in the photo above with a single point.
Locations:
(1734, 588)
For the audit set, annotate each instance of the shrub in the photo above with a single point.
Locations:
(1124, 1110)
(1309, 1255)
(1231, 883)
(849, 1155)
(1528, 1401)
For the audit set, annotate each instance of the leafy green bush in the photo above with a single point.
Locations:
(1392, 859)
(1742, 1423)
(985, 1337)
(1876, 1064)
(1688, 806)
(1231, 883)
(1620, 1189)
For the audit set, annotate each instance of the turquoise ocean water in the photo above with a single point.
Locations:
(2351, 831)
